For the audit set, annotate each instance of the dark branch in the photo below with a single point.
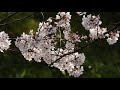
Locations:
(114, 28)
(83, 47)
(8, 17)
(15, 20)
(18, 19)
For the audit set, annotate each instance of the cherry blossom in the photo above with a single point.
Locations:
(81, 13)
(5, 41)
(112, 37)
(71, 63)
(91, 22)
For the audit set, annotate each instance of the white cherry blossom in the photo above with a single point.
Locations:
(5, 41)
(91, 22)
(71, 63)
(81, 13)
(113, 38)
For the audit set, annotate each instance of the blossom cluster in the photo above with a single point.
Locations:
(112, 37)
(41, 45)
(92, 24)
(71, 63)
(5, 41)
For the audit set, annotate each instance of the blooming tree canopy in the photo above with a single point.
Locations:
(56, 44)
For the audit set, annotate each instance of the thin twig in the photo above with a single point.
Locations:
(43, 17)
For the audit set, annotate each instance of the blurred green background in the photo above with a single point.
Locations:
(102, 60)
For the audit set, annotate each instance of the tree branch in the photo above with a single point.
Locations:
(15, 20)
(83, 47)
(8, 17)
